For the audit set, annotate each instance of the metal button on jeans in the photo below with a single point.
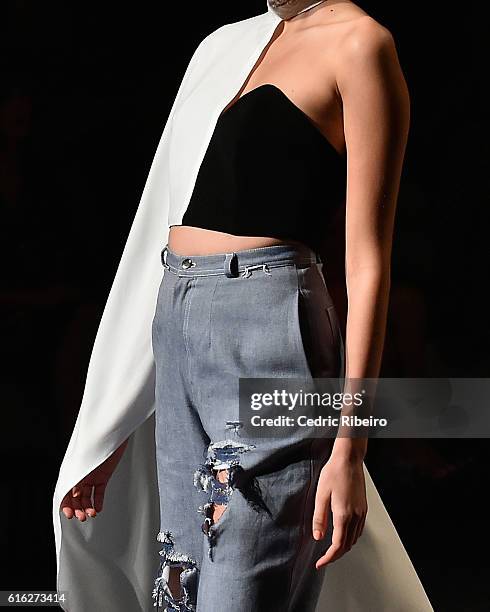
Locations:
(187, 263)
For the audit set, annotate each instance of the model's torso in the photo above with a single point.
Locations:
(300, 61)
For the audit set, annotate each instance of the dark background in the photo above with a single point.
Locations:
(85, 93)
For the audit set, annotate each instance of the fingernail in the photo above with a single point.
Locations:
(317, 534)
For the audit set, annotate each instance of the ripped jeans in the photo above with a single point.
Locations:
(263, 312)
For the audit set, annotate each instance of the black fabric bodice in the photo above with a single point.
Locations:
(268, 171)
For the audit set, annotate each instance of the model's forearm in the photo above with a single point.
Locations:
(368, 296)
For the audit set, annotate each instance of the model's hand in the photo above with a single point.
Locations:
(342, 488)
(78, 501)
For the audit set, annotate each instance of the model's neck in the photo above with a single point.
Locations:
(289, 8)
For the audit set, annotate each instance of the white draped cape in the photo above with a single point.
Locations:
(109, 563)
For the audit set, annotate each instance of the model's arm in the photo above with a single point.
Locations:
(376, 111)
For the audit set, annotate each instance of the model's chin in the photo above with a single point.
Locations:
(286, 9)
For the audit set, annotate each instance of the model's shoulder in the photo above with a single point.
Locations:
(364, 36)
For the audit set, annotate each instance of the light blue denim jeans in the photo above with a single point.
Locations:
(260, 313)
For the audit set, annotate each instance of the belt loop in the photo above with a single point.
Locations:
(231, 265)
(162, 256)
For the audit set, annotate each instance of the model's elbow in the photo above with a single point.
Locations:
(375, 273)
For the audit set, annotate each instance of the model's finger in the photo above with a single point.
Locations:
(336, 548)
(99, 492)
(77, 507)
(351, 531)
(66, 506)
(86, 500)
(360, 527)
(320, 514)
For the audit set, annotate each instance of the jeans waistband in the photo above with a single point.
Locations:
(238, 263)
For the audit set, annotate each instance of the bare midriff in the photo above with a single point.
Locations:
(188, 240)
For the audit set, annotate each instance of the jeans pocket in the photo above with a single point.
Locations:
(300, 332)
(334, 324)
(315, 326)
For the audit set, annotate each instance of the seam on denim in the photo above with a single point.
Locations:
(185, 321)
(210, 321)
(209, 272)
(185, 330)
(303, 528)
(181, 274)
(189, 359)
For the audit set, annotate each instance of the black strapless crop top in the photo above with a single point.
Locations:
(268, 171)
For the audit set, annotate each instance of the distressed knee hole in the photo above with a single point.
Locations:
(218, 509)
(175, 587)
(173, 582)
(217, 477)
